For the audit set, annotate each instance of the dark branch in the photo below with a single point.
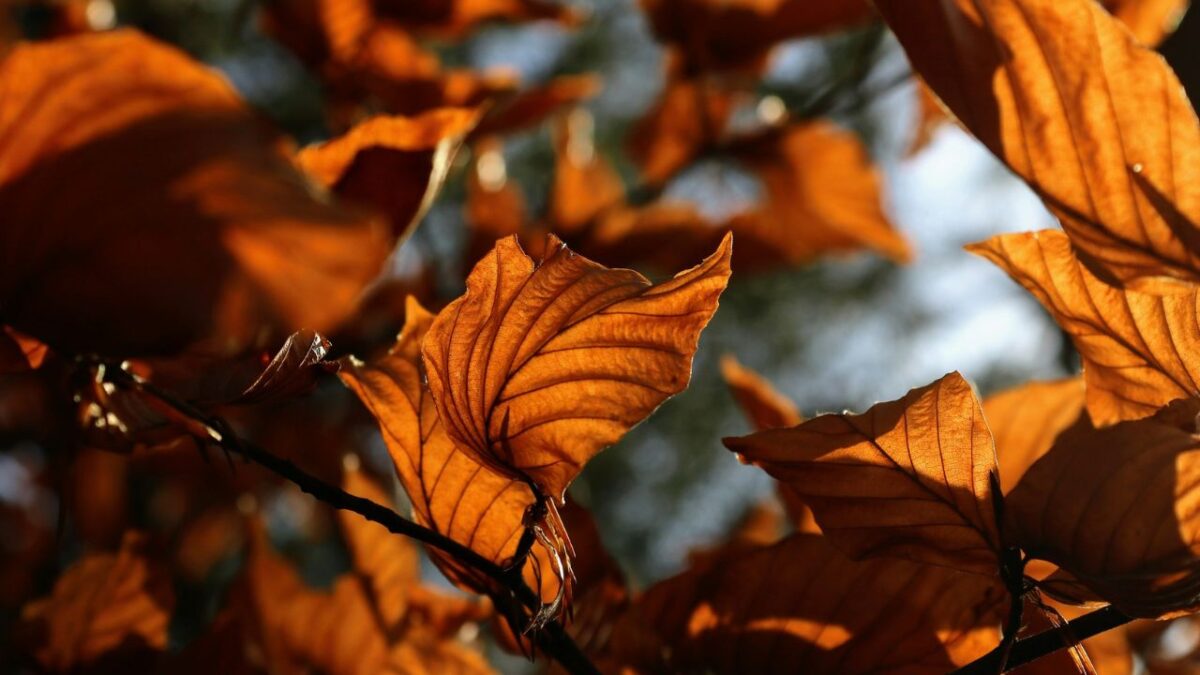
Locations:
(1034, 647)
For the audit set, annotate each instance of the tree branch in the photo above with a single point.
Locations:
(1047, 642)
(552, 639)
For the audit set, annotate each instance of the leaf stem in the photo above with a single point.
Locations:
(553, 639)
(1047, 642)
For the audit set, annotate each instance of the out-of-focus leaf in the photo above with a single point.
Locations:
(911, 478)
(802, 602)
(585, 184)
(541, 365)
(1096, 123)
(765, 407)
(192, 213)
(110, 607)
(1134, 345)
(1025, 420)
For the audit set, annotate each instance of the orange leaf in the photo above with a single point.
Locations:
(105, 608)
(163, 140)
(450, 491)
(1116, 508)
(823, 194)
(585, 184)
(802, 602)
(763, 405)
(1025, 421)
(543, 364)
(1096, 123)
(910, 478)
(1150, 21)
(393, 164)
(1133, 344)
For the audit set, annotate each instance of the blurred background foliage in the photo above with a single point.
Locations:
(839, 333)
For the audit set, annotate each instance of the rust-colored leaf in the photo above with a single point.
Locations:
(543, 364)
(1025, 420)
(802, 602)
(1134, 345)
(1096, 123)
(1150, 21)
(163, 141)
(393, 164)
(111, 607)
(450, 491)
(910, 478)
(1116, 508)
(763, 404)
(585, 184)
(823, 195)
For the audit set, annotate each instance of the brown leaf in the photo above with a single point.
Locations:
(1150, 21)
(388, 564)
(541, 365)
(19, 352)
(1115, 508)
(823, 195)
(164, 140)
(1096, 123)
(495, 205)
(393, 164)
(453, 17)
(292, 371)
(802, 602)
(765, 407)
(107, 606)
(909, 478)
(1025, 420)
(450, 491)
(1133, 344)
(585, 184)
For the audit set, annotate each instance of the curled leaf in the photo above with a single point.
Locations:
(542, 364)
(911, 478)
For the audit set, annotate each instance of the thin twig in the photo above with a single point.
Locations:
(552, 639)
(1034, 647)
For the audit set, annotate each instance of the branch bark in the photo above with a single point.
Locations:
(1034, 647)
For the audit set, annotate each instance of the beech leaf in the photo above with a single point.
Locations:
(910, 478)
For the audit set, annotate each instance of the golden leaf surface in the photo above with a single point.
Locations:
(909, 478)
(541, 365)
(1134, 345)
(1026, 420)
(1066, 96)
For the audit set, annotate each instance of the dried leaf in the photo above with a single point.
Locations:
(19, 352)
(106, 607)
(292, 371)
(1115, 508)
(543, 364)
(393, 164)
(1150, 21)
(585, 184)
(762, 404)
(1096, 123)
(1025, 421)
(802, 602)
(450, 491)
(1133, 344)
(166, 141)
(909, 478)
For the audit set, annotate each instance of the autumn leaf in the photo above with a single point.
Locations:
(1150, 21)
(765, 407)
(823, 194)
(802, 602)
(450, 491)
(1133, 344)
(1097, 124)
(1115, 508)
(393, 164)
(911, 478)
(164, 140)
(19, 352)
(585, 184)
(1026, 420)
(541, 365)
(453, 17)
(107, 607)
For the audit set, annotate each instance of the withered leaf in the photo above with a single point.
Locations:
(292, 371)
(541, 365)
(802, 602)
(107, 606)
(1116, 508)
(394, 164)
(1133, 344)
(1150, 21)
(909, 478)
(450, 491)
(1096, 123)
(585, 183)
(162, 140)
(1026, 420)
(763, 405)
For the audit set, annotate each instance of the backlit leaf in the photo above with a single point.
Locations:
(909, 478)
(1134, 345)
(542, 364)
(1096, 123)
(763, 405)
(1026, 420)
